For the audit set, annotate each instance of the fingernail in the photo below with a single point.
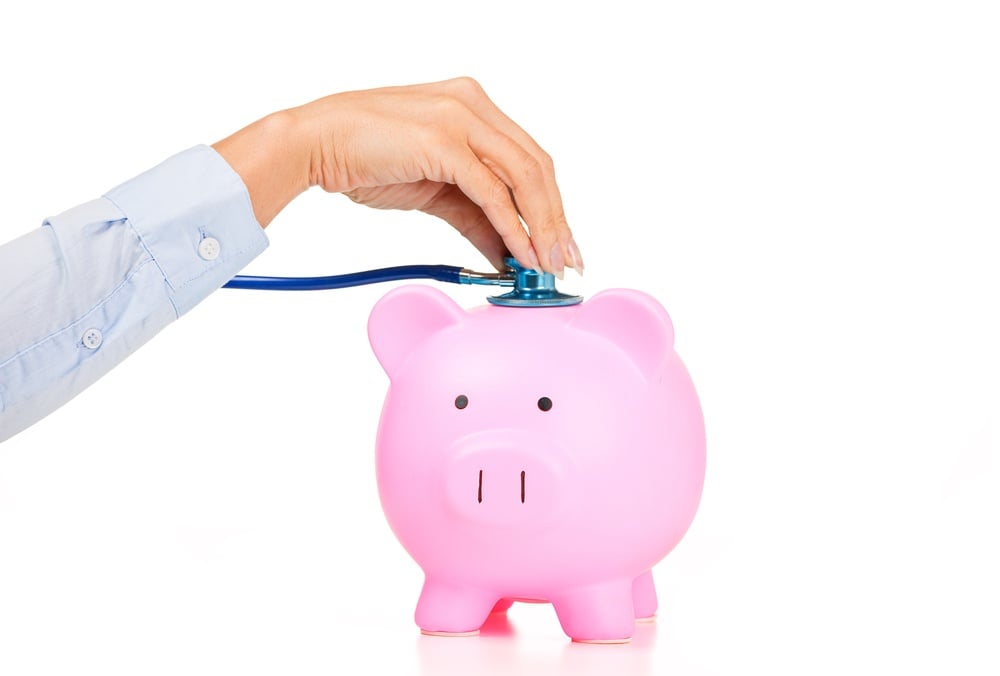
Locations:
(575, 259)
(556, 260)
(533, 260)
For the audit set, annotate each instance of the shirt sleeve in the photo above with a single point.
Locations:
(90, 286)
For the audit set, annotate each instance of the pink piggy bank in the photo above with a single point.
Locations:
(536, 454)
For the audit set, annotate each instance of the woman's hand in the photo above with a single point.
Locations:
(443, 148)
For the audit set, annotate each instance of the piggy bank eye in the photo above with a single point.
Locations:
(544, 403)
(461, 401)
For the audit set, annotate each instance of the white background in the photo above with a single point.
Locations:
(811, 189)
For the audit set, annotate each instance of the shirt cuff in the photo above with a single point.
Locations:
(192, 213)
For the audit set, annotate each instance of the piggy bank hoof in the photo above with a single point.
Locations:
(603, 641)
(502, 606)
(650, 619)
(449, 633)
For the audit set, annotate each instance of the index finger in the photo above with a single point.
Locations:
(539, 201)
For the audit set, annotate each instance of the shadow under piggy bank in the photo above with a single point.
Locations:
(498, 651)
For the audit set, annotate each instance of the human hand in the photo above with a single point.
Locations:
(443, 148)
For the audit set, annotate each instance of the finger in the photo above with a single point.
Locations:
(451, 205)
(553, 228)
(524, 174)
(492, 195)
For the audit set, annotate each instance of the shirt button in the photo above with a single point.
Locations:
(209, 248)
(92, 339)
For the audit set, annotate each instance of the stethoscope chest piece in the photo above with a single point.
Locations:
(533, 289)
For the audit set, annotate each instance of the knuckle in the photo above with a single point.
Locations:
(531, 169)
(451, 114)
(546, 161)
(447, 106)
(499, 193)
(553, 223)
(468, 85)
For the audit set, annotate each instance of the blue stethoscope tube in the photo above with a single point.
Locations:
(531, 287)
(441, 273)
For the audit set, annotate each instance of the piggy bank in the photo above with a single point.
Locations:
(536, 454)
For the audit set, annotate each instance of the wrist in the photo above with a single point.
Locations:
(325, 125)
(272, 157)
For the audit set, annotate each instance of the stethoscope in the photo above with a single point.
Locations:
(531, 288)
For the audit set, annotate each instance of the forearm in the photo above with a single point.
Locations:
(81, 293)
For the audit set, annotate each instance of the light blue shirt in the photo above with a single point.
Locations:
(90, 286)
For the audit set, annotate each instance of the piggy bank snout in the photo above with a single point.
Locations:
(503, 485)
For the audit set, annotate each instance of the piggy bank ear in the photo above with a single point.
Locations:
(634, 321)
(404, 318)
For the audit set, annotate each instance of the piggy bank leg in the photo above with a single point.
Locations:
(644, 597)
(597, 614)
(448, 610)
(502, 606)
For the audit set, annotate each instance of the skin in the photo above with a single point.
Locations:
(443, 148)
